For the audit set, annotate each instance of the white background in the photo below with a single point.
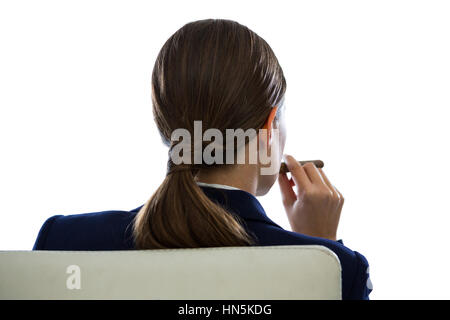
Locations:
(368, 92)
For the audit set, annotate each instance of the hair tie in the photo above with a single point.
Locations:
(172, 167)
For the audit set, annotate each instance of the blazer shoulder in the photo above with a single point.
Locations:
(43, 233)
(268, 235)
(104, 230)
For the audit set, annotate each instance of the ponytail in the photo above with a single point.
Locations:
(180, 215)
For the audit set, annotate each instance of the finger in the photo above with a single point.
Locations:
(287, 194)
(298, 174)
(328, 183)
(340, 205)
(341, 198)
(313, 173)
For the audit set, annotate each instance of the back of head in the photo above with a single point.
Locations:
(223, 74)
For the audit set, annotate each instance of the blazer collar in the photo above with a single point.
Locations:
(239, 202)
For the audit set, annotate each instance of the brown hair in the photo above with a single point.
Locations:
(222, 73)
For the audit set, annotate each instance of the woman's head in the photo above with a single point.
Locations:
(223, 74)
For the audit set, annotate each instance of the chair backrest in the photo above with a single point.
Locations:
(270, 272)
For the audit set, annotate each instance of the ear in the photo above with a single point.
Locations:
(269, 122)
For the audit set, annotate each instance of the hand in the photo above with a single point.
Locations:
(315, 208)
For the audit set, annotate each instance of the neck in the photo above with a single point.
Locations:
(243, 177)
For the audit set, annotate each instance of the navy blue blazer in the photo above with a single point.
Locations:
(112, 230)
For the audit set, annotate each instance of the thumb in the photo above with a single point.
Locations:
(287, 194)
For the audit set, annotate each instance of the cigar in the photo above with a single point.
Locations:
(317, 163)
